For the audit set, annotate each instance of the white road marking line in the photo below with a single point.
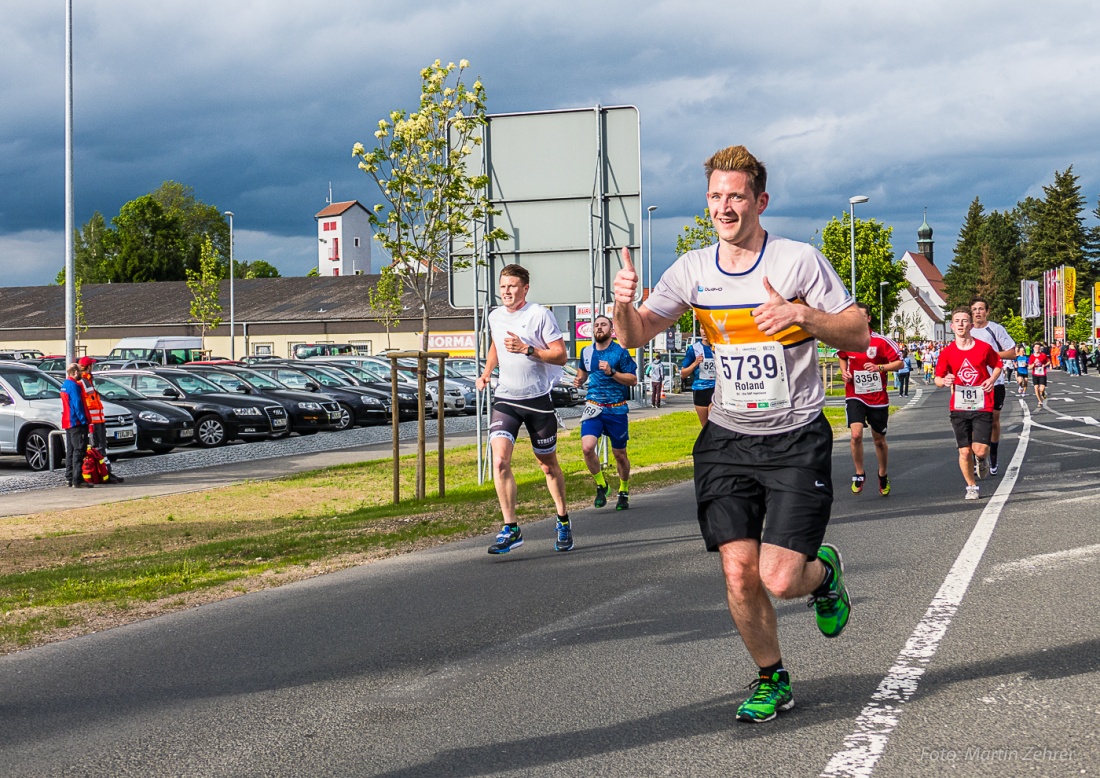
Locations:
(1041, 563)
(1067, 432)
(880, 717)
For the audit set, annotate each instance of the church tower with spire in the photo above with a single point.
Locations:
(924, 239)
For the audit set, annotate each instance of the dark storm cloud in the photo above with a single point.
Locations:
(256, 105)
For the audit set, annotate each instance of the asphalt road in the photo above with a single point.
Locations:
(974, 647)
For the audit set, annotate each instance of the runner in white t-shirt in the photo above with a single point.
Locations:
(763, 463)
(995, 335)
(530, 350)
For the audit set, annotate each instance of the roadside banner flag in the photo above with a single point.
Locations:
(1069, 281)
(1029, 295)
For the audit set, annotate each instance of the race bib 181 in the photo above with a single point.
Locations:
(969, 398)
(752, 376)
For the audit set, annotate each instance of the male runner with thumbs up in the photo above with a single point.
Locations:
(763, 464)
(530, 349)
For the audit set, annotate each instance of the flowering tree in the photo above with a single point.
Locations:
(429, 200)
(203, 284)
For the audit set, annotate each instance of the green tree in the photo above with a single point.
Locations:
(257, 268)
(962, 277)
(313, 273)
(1079, 327)
(203, 284)
(1058, 236)
(198, 221)
(150, 244)
(696, 236)
(430, 202)
(385, 299)
(874, 261)
(1000, 257)
(80, 319)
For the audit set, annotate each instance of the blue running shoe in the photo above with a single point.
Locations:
(507, 539)
(565, 537)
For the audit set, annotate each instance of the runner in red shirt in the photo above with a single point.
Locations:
(866, 401)
(1040, 366)
(969, 368)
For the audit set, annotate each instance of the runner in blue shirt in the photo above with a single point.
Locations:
(610, 372)
(698, 370)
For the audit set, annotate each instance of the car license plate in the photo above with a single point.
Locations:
(279, 422)
(187, 433)
(124, 434)
(334, 415)
(248, 429)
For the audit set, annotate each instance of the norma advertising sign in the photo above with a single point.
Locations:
(458, 343)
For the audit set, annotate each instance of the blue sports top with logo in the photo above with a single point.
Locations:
(765, 385)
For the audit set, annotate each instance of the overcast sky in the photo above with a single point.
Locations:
(256, 105)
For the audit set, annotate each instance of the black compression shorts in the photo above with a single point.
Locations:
(537, 414)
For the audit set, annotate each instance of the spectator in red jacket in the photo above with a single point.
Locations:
(74, 420)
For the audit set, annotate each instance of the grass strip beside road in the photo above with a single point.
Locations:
(72, 572)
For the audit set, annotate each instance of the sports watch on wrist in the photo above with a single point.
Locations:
(530, 351)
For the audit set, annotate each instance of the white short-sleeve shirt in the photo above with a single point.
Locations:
(522, 377)
(723, 304)
(997, 337)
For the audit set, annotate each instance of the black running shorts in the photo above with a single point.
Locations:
(776, 489)
(537, 414)
(998, 397)
(1039, 380)
(972, 427)
(702, 397)
(857, 413)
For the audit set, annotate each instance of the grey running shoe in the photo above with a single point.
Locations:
(971, 493)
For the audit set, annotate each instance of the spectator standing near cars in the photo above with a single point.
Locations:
(609, 371)
(656, 375)
(74, 420)
(97, 419)
(530, 350)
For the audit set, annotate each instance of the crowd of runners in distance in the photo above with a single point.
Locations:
(763, 458)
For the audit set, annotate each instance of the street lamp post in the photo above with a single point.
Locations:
(881, 284)
(852, 202)
(649, 269)
(232, 312)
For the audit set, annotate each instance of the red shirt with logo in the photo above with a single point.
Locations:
(867, 384)
(1039, 363)
(970, 368)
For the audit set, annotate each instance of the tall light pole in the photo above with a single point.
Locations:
(232, 312)
(852, 202)
(70, 260)
(649, 269)
(881, 284)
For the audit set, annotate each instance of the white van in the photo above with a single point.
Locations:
(163, 351)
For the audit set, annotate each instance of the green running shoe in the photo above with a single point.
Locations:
(772, 695)
(833, 607)
(601, 496)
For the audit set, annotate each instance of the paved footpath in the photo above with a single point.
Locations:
(974, 647)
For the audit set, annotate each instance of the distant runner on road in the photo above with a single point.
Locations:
(609, 371)
(969, 368)
(996, 336)
(763, 462)
(697, 371)
(530, 349)
(1040, 366)
(866, 401)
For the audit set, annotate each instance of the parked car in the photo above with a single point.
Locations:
(305, 350)
(103, 365)
(172, 350)
(160, 426)
(365, 376)
(309, 412)
(48, 363)
(15, 354)
(453, 397)
(368, 373)
(358, 404)
(30, 409)
(219, 416)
